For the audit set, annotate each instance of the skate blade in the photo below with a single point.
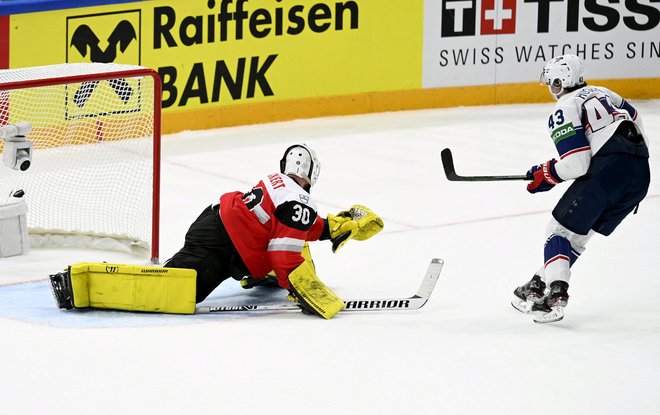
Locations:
(556, 314)
(522, 305)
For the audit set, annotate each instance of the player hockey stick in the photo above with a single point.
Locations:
(415, 302)
(450, 172)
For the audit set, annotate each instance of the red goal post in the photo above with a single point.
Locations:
(94, 177)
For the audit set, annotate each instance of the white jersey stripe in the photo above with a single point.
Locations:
(286, 244)
(261, 214)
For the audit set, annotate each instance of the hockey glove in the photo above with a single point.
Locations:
(544, 177)
(359, 223)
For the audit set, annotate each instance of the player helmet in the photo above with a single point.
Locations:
(300, 160)
(562, 73)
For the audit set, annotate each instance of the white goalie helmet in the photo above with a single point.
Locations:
(562, 73)
(301, 161)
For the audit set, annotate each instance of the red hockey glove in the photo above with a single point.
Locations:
(544, 177)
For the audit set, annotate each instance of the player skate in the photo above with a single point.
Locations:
(551, 309)
(529, 294)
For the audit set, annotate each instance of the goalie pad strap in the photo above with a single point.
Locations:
(133, 287)
(312, 294)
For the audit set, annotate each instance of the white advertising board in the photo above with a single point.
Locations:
(483, 42)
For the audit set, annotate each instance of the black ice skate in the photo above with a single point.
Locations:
(529, 294)
(269, 281)
(551, 309)
(60, 284)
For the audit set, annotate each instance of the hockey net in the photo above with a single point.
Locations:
(94, 177)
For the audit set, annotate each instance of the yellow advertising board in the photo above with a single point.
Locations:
(229, 61)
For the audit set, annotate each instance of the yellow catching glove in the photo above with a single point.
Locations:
(359, 223)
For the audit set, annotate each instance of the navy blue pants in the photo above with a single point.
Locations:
(617, 180)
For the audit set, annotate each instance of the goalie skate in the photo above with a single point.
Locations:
(61, 286)
(269, 281)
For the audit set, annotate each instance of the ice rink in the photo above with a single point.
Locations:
(466, 352)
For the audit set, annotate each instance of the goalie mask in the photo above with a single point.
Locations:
(563, 74)
(300, 160)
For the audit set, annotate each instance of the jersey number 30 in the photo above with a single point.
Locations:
(300, 214)
(296, 215)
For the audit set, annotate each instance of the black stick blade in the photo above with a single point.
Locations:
(448, 164)
(450, 172)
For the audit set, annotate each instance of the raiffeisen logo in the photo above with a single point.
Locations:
(112, 37)
(460, 17)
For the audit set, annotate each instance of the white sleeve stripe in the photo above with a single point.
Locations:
(286, 244)
(261, 214)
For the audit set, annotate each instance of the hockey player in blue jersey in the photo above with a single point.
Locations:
(602, 147)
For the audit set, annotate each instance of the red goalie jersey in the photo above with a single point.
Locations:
(270, 224)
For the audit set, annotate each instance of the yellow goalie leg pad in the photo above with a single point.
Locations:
(312, 293)
(133, 287)
(307, 256)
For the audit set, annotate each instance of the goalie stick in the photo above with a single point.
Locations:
(415, 302)
(450, 172)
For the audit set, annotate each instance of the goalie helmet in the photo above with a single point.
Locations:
(562, 73)
(300, 160)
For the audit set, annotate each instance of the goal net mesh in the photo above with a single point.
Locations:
(91, 180)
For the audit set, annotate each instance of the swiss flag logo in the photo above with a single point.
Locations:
(498, 17)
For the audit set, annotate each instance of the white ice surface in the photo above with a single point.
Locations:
(466, 352)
